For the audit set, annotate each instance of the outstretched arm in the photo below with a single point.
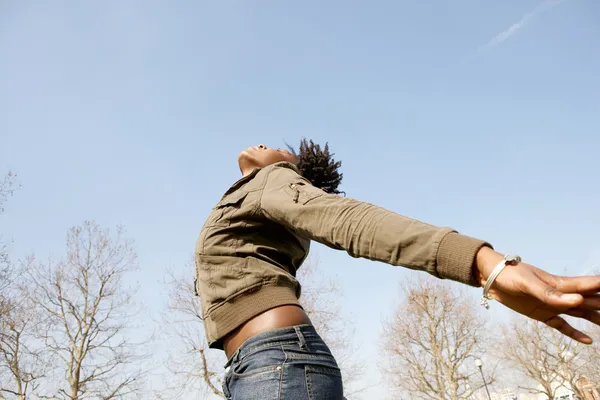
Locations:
(367, 231)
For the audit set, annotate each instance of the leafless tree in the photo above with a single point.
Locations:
(23, 361)
(7, 187)
(195, 367)
(16, 380)
(593, 355)
(321, 299)
(591, 370)
(88, 312)
(430, 345)
(200, 369)
(547, 359)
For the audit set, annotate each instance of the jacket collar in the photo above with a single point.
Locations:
(252, 174)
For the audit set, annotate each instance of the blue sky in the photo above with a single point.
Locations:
(479, 115)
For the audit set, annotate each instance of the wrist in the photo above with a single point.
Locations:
(485, 261)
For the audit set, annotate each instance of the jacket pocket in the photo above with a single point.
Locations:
(221, 278)
(302, 193)
(227, 209)
(232, 199)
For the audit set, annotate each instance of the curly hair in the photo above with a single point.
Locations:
(318, 166)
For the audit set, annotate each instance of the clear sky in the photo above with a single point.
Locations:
(480, 115)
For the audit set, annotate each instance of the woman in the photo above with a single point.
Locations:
(259, 234)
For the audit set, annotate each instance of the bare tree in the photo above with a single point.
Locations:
(321, 301)
(589, 384)
(200, 369)
(88, 312)
(548, 359)
(7, 187)
(18, 372)
(23, 361)
(593, 355)
(195, 367)
(430, 344)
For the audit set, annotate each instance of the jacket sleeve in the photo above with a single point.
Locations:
(365, 230)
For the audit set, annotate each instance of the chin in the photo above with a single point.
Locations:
(242, 159)
(246, 160)
(245, 154)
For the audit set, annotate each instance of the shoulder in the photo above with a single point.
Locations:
(282, 172)
(283, 167)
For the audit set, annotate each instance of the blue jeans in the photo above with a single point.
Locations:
(285, 364)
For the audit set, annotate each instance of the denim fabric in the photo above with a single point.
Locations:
(285, 364)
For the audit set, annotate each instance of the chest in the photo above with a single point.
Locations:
(237, 227)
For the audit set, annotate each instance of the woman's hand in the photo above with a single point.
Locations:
(540, 295)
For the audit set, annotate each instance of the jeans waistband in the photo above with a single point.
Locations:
(300, 334)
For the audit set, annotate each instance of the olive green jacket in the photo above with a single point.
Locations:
(259, 234)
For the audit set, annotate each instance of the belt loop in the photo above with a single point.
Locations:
(300, 337)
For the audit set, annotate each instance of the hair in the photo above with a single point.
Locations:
(318, 166)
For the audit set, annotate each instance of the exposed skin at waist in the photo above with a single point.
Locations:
(275, 318)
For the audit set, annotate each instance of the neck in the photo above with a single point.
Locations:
(246, 171)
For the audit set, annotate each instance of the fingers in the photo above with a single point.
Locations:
(580, 284)
(591, 302)
(563, 327)
(592, 316)
(550, 295)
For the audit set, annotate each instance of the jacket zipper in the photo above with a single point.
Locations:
(296, 192)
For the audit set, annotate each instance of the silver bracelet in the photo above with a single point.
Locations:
(508, 260)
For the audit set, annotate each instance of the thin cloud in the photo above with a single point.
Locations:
(514, 28)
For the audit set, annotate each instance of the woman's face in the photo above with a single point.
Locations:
(261, 156)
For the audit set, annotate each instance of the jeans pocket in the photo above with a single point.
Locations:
(257, 373)
(324, 383)
(262, 361)
(257, 376)
(259, 384)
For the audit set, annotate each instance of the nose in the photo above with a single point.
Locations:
(262, 147)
